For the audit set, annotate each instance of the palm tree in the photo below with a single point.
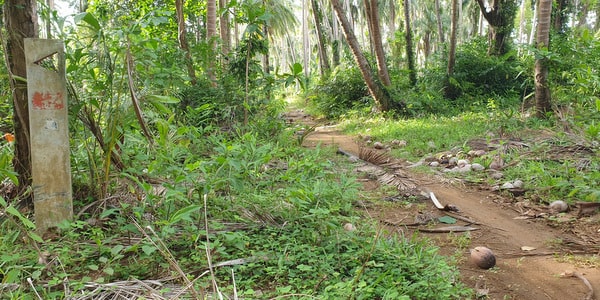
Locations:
(381, 97)
(211, 33)
(542, 91)
(410, 56)
(453, 31)
(438, 17)
(373, 20)
(323, 57)
(450, 89)
(225, 29)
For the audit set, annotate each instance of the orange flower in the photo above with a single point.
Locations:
(9, 137)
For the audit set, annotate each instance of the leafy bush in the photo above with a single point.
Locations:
(477, 73)
(345, 89)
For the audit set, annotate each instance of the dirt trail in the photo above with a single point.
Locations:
(518, 274)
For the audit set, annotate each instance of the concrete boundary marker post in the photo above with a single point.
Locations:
(49, 132)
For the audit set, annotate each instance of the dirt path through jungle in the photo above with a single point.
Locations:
(504, 224)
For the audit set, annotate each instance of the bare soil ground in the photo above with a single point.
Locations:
(504, 223)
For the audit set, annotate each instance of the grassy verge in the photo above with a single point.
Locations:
(553, 163)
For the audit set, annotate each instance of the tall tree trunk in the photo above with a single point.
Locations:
(21, 22)
(183, 44)
(211, 33)
(225, 29)
(323, 57)
(381, 97)
(522, 35)
(451, 91)
(533, 26)
(410, 55)
(453, 32)
(336, 44)
(438, 16)
(542, 91)
(560, 16)
(373, 19)
(500, 17)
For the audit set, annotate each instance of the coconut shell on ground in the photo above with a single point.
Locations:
(483, 257)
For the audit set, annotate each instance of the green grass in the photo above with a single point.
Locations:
(286, 220)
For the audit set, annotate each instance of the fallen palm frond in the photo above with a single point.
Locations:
(381, 166)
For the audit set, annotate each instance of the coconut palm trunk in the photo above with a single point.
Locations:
(542, 91)
(381, 97)
(21, 21)
(374, 27)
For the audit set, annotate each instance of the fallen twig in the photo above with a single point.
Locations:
(448, 229)
(590, 293)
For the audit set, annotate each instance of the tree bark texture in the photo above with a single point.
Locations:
(410, 55)
(323, 57)
(438, 16)
(382, 98)
(225, 29)
(375, 28)
(21, 21)
(211, 33)
(453, 33)
(181, 33)
(542, 91)
(500, 17)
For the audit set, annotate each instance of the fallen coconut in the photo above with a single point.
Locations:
(477, 167)
(462, 162)
(483, 257)
(349, 227)
(558, 206)
(518, 183)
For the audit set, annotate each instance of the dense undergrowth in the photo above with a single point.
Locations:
(221, 182)
(278, 207)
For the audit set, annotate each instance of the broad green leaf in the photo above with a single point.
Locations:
(184, 213)
(148, 249)
(296, 69)
(36, 237)
(116, 249)
(89, 19)
(163, 99)
(13, 211)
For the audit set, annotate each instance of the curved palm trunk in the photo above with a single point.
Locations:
(373, 19)
(382, 98)
(21, 22)
(542, 91)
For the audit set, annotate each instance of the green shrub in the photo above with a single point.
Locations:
(345, 89)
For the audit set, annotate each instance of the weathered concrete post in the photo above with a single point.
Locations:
(49, 132)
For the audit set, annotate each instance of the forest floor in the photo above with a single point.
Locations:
(535, 250)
